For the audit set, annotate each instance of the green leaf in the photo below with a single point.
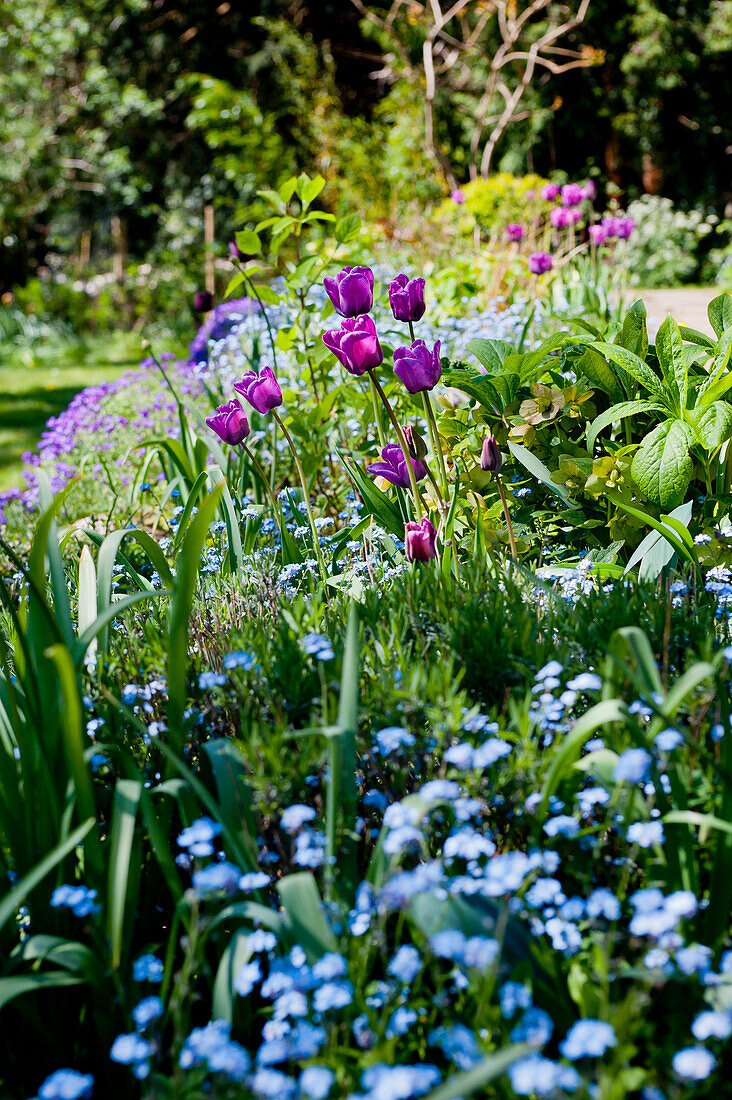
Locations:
(248, 241)
(632, 365)
(599, 374)
(667, 532)
(616, 413)
(127, 795)
(633, 336)
(309, 189)
(491, 353)
(662, 466)
(181, 605)
(536, 467)
(656, 550)
(570, 748)
(86, 612)
(347, 229)
(719, 312)
(10, 988)
(288, 188)
(18, 895)
(471, 1080)
(712, 424)
(672, 359)
(234, 283)
(493, 393)
(306, 923)
(236, 954)
(702, 821)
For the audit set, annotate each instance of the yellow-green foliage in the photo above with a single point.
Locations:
(496, 201)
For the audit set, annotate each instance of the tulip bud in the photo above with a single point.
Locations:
(203, 301)
(491, 458)
(415, 443)
(419, 540)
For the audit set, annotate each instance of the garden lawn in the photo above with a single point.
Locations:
(37, 383)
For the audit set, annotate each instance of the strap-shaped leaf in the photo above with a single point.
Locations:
(662, 466)
(633, 366)
(536, 467)
(671, 356)
(616, 413)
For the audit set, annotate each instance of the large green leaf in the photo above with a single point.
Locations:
(656, 550)
(672, 358)
(616, 413)
(635, 367)
(712, 424)
(662, 466)
(491, 353)
(719, 312)
(127, 795)
(493, 393)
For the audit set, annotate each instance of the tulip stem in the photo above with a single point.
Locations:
(435, 437)
(377, 412)
(262, 476)
(419, 510)
(509, 525)
(306, 494)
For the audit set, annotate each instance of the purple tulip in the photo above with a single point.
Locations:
(261, 390)
(393, 466)
(235, 252)
(356, 344)
(351, 291)
(589, 191)
(419, 540)
(515, 232)
(406, 297)
(230, 422)
(572, 194)
(550, 191)
(539, 262)
(458, 196)
(560, 217)
(624, 228)
(598, 233)
(618, 227)
(418, 367)
(491, 458)
(203, 301)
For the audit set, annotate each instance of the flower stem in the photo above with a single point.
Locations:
(419, 510)
(262, 475)
(509, 525)
(377, 411)
(306, 495)
(435, 436)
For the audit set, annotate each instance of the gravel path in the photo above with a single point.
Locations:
(688, 306)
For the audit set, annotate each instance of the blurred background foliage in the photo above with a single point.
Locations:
(120, 120)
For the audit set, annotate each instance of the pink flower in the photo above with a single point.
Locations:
(261, 390)
(598, 233)
(458, 196)
(514, 231)
(560, 217)
(355, 344)
(540, 262)
(572, 194)
(230, 422)
(550, 191)
(419, 540)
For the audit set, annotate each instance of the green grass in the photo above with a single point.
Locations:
(39, 379)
